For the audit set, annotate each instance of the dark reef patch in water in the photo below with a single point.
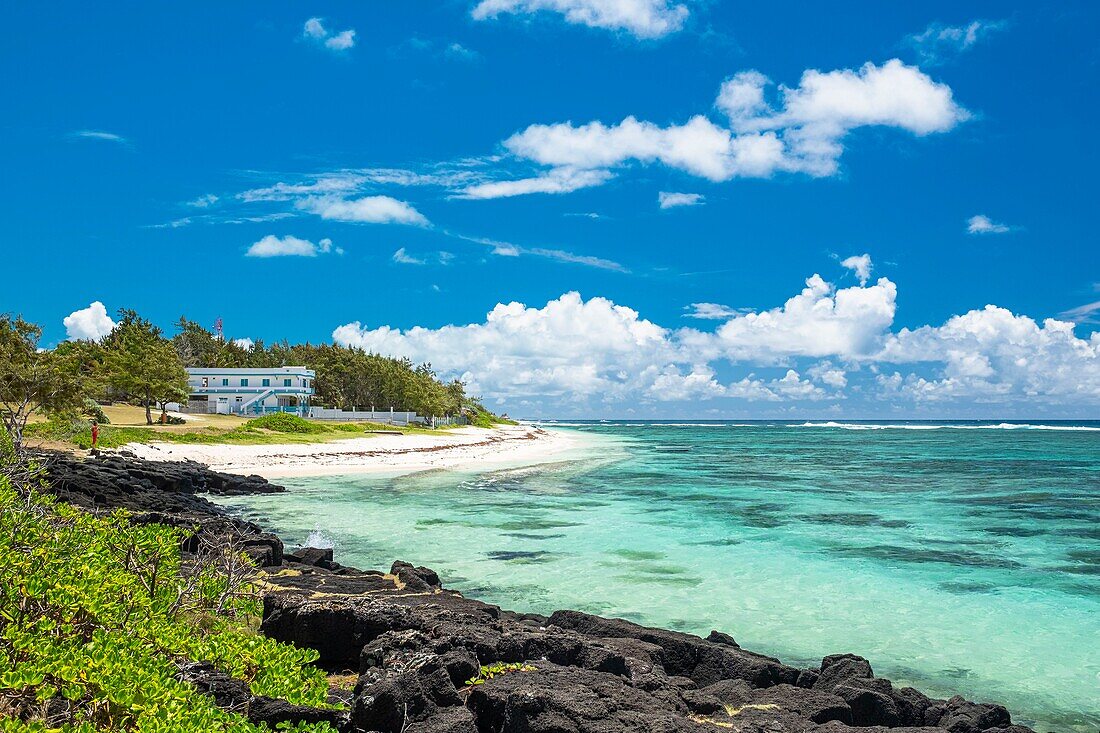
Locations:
(720, 542)
(524, 556)
(535, 524)
(962, 587)
(1014, 531)
(898, 553)
(854, 519)
(531, 536)
(673, 580)
(638, 554)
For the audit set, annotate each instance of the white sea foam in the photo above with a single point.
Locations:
(998, 426)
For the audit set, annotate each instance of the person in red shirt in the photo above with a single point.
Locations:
(95, 437)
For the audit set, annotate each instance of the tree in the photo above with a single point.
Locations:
(33, 380)
(143, 364)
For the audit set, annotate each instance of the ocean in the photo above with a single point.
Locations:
(958, 557)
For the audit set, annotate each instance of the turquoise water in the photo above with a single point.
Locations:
(961, 559)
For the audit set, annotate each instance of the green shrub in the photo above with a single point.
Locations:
(94, 411)
(96, 614)
(282, 422)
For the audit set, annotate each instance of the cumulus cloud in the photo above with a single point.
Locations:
(994, 354)
(88, 324)
(668, 200)
(939, 43)
(859, 264)
(820, 321)
(982, 224)
(288, 246)
(641, 18)
(803, 134)
(314, 30)
(244, 343)
(824, 343)
(365, 210)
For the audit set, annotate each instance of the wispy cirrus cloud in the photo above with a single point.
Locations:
(939, 43)
(102, 135)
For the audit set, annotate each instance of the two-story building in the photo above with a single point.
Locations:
(250, 391)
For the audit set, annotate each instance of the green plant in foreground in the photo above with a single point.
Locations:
(489, 671)
(97, 615)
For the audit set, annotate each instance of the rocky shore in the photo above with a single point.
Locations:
(429, 660)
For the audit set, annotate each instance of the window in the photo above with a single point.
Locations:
(265, 382)
(305, 383)
(244, 382)
(286, 382)
(225, 382)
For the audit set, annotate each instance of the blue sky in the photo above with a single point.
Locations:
(354, 171)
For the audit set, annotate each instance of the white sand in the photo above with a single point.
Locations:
(462, 448)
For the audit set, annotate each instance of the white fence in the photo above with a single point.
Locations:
(391, 417)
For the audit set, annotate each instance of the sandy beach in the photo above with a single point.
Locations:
(468, 447)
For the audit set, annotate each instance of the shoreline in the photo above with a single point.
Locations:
(457, 449)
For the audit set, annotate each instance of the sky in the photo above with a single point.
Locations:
(582, 208)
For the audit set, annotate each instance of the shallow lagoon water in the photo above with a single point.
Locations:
(961, 558)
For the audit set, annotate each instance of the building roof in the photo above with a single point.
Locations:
(227, 371)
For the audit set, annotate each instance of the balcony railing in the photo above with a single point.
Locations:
(249, 390)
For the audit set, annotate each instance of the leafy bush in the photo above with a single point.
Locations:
(282, 422)
(489, 671)
(97, 614)
(94, 411)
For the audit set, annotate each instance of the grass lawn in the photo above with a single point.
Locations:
(128, 426)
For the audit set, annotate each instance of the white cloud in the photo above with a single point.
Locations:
(404, 258)
(803, 135)
(1082, 313)
(558, 180)
(288, 246)
(642, 18)
(568, 347)
(710, 311)
(828, 343)
(244, 343)
(99, 135)
(366, 210)
(203, 202)
(314, 30)
(859, 264)
(668, 200)
(982, 224)
(938, 42)
(992, 353)
(327, 185)
(88, 324)
(793, 386)
(818, 322)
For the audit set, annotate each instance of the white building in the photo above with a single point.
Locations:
(250, 391)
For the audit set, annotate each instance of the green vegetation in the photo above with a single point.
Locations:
(142, 364)
(97, 615)
(271, 429)
(489, 671)
(32, 380)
